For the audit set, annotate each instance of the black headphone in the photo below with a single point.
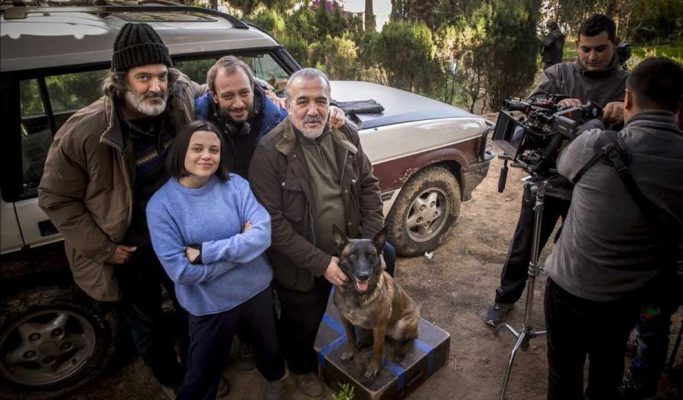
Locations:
(228, 126)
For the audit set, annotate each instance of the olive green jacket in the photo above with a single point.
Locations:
(279, 177)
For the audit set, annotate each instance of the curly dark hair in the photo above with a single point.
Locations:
(114, 84)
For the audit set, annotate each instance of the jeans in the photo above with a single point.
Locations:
(211, 339)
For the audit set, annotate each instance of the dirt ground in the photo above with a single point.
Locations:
(454, 289)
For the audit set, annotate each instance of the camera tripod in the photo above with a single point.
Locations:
(526, 333)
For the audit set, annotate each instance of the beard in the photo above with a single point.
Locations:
(139, 102)
(225, 114)
(312, 133)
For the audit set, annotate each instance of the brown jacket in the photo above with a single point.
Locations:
(280, 180)
(86, 187)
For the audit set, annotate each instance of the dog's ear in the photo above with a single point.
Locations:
(380, 239)
(340, 238)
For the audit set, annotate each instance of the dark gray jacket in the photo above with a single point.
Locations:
(573, 80)
(607, 250)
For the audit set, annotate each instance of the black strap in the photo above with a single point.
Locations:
(614, 154)
(609, 149)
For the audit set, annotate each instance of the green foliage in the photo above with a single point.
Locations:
(245, 6)
(496, 49)
(346, 393)
(279, 5)
(407, 54)
(74, 91)
(337, 57)
(196, 69)
(637, 20)
(672, 51)
(270, 20)
(493, 42)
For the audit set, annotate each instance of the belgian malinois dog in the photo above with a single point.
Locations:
(371, 299)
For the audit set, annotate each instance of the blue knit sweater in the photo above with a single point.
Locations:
(235, 268)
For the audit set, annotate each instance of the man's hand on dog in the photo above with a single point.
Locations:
(334, 274)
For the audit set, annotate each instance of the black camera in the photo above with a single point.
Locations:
(533, 140)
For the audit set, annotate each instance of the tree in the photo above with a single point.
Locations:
(247, 7)
(448, 12)
(399, 10)
(497, 48)
(405, 51)
(336, 56)
(272, 21)
(423, 11)
(636, 19)
(370, 23)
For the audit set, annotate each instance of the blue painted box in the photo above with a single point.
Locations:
(429, 353)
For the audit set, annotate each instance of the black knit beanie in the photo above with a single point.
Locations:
(137, 45)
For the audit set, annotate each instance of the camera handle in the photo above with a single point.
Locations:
(527, 332)
(502, 179)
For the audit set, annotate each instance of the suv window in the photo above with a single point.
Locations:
(263, 66)
(42, 116)
(47, 102)
(268, 70)
(36, 135)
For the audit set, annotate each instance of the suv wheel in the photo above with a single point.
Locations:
(424, 212)
(53, 347)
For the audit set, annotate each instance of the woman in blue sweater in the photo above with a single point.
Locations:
(210, 235)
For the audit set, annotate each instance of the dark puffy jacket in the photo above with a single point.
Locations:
(280, 180)
(269, 113)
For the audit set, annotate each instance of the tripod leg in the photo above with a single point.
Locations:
(522, 338)
(526, 333)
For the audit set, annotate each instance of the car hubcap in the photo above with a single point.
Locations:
(46, 347)
(427, 215)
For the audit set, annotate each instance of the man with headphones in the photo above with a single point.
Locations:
(242, 110)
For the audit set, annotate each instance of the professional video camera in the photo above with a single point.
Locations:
(533, 140)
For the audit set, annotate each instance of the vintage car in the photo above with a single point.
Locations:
(428, 156)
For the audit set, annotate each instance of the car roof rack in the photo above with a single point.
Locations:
(20, 12)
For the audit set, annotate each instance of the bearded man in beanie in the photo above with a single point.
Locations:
(103, 166)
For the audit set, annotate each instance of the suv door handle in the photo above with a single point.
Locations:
(46, 228)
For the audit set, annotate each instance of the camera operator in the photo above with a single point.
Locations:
(595, 76)
(619, 244)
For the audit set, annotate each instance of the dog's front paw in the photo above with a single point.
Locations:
(372, 371)
(346, 355)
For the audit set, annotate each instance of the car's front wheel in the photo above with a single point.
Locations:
(49, 346)
(424, 212)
